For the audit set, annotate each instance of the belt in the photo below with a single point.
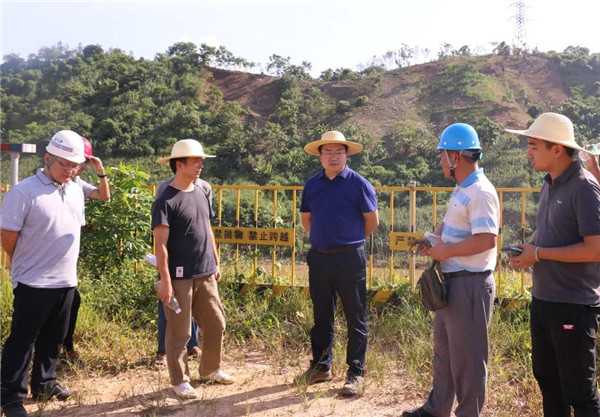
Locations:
(450, 275)
(341, 249)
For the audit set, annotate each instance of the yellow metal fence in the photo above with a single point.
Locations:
(287, 268)
(263, 248)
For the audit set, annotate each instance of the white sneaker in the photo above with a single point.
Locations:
(218, 377)
(185, 391)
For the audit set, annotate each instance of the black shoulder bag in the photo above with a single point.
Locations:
(432, 287)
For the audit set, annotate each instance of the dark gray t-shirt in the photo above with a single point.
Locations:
(569, 209)
(204, 186)
(187, 214)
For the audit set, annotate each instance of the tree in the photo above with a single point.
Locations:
(445, 51)
(281, 66)
(502, 49)
(404, 55)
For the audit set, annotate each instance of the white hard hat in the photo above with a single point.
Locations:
(68, 145)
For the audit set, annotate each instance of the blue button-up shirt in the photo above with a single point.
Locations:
(336, 207)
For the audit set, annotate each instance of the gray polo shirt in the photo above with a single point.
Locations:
(569, 209)
(48, 218)
(87, 188)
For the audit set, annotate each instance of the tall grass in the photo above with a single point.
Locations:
(113, 335)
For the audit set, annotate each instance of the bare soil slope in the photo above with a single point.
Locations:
(523, 80)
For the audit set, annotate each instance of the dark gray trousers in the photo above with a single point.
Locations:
(460, 346)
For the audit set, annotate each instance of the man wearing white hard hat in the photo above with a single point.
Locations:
(564, 251)
(189, 269)
(339, 209)
(41, 222)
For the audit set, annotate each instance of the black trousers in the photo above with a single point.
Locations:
(563, 341)
(331, 276)
(40, 320)
(72, 321)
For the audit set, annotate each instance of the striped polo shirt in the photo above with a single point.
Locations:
(473, 208)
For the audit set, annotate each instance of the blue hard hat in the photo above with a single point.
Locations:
(458, 137)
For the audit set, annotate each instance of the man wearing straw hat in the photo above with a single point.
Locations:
(161, 321)
(565, 253)
(339, 209)
(189, 269)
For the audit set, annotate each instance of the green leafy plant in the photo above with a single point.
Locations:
(117, 231)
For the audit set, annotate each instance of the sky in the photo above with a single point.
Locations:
(328, 33)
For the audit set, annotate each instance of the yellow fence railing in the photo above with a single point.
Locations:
(259, 238)
(402, 210)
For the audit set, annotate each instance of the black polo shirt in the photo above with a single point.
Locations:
(569, 209)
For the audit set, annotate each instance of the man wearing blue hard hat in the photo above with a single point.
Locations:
(466, 249)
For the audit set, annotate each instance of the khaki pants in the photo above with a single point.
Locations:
(197, 297)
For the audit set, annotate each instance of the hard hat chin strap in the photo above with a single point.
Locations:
(52, 160)
(451, 167)
(48, 165)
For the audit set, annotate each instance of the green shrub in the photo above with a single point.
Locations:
(361, 101)
(127, 293)
(6, 304)
(118, 231)
(342, 107)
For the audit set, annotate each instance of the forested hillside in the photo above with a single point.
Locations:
(135, 109)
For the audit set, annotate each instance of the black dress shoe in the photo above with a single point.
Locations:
(14, 410)
(417, 412)
(60, 393)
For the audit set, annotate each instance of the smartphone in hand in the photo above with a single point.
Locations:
(512, 250)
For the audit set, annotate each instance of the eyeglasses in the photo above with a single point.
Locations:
(333, 154)
(67, 166)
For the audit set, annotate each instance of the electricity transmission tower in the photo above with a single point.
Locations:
(520, 35)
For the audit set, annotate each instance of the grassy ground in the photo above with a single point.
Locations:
(115, 340)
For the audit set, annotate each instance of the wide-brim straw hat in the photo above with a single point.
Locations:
(552, 127)
(332, 137)
(185, 148)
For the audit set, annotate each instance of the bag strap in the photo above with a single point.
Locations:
(437, 265)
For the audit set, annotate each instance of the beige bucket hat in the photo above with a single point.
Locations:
(185, 148)
(551, 127)
(332, 137)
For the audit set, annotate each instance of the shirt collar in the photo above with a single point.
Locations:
(473, 176)
(47, 181)
(566, 174)
(42, 177)
(344, 174)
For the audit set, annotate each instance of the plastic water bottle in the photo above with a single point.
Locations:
(173, 304)
(151, 259)
(594, 149)
(432, 238)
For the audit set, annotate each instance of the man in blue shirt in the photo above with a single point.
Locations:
(339, 209)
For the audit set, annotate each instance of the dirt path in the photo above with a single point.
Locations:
(262, 389)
